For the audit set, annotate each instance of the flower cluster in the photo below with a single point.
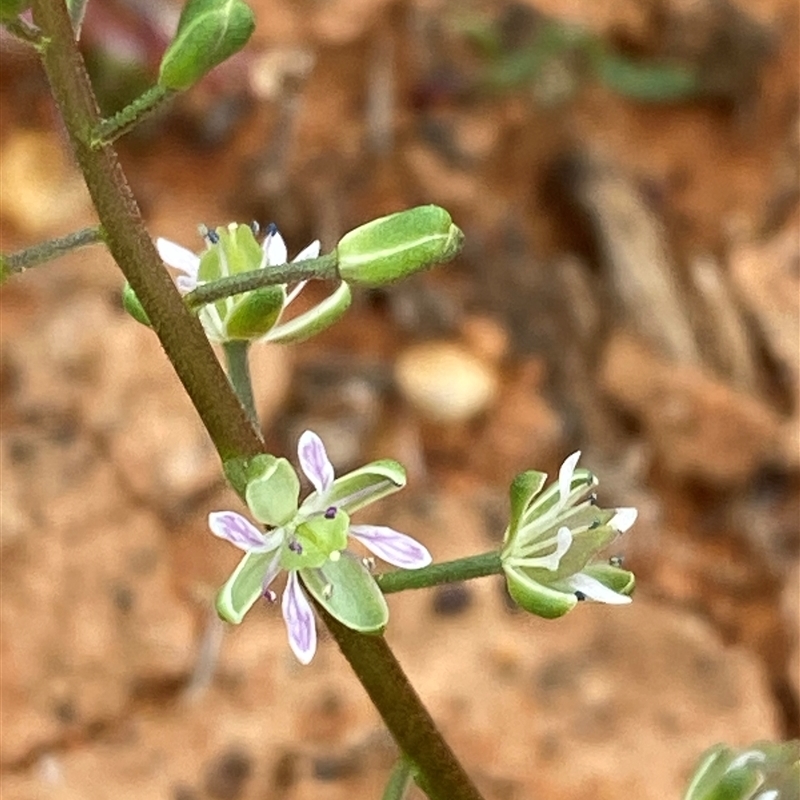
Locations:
(552, 537)
(308, 541)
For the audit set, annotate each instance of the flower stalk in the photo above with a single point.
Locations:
(16, 263)
(229, 427)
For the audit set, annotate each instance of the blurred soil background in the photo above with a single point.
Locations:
(626, 174)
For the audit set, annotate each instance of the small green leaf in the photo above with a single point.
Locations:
(535, 598)
(209, 32)
(393, 247)
(348, 592)
(244, 587)
(130, 302)
(313, 321)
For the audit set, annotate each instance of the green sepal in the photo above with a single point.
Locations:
(209, 32)
(544, 601)
(348, 592)
(360, 487)
(622, 581)
(319, 538)
(393, 247)
(245, 585)
(523, 489)
(313, 321)
(130, 302)
(583, 481)
(273, 495)
(256, 313)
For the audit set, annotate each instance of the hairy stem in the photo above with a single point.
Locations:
(108, 130)
(322, 268)
(231, 430)
(437, 771)
(14, 263)
(462, 569)
(179, 331)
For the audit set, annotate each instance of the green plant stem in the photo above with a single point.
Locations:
(237, 360)
(437, 770)
(108, 130)
(179, 331)
(399, 780)
(18, 262)
(233, 434)
(462, 569)
(322, 268)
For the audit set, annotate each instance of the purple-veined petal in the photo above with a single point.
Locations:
(392, 546)
(565, 476)
(312, 251)
(623, 519)
(275, 249)
(239, 531)
(177, 257)
(299, 618)
(314, 461)
(592, 589)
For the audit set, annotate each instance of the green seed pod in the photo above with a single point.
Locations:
(209, 32)
(390, 248)
(130, 302)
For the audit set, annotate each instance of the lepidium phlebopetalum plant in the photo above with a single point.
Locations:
(308, 541)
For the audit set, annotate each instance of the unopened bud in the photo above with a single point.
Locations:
(390, 248)
(209, 32)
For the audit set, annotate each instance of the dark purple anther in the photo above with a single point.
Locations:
(212, 236)
(593, 499)
(330, 513)
(272, 229)
(580, 595)
(270, 596)
(295, 546)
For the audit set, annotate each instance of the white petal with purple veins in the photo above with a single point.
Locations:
(392, 546)
(592, 589)
(239, 531)
(275, 249)
(565, 476)
(173, 255)
(314, 461)
(299, 618)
